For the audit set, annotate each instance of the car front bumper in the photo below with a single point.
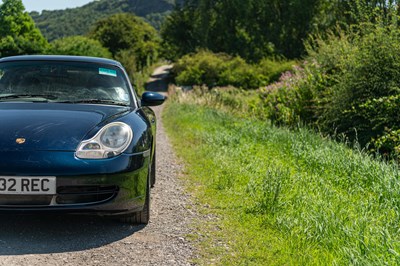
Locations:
(108, 186)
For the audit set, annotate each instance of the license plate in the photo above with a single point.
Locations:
(28, 185)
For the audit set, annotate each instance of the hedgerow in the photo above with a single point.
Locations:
(206, 68)
(348, 86)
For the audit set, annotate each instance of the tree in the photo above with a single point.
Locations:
(18, 33)
(252, 29)
(126, 32)
(79, 45)
(178, 33)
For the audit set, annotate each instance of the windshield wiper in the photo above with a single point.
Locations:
(98, 101)
(18, 96)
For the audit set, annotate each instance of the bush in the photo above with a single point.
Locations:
(367, 72)
(282, 98)
(383, 115)
(206, 68)
(201, 68)
(242, 75)
(122, 32)
(79, 45)
(297, 96)
(349, 86)
(273, 69)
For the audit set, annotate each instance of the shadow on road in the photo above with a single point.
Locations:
(44, 234)
(159, 80)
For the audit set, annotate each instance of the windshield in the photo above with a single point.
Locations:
(67, 82)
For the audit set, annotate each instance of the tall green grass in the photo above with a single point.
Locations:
(280, 197)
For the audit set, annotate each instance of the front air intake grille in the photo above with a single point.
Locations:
(24, 200)
(69, 195)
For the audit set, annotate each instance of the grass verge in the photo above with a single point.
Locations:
(280, 197)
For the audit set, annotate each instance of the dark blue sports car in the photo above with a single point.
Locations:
(75, 137)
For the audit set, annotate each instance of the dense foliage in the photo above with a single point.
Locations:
(361, 93)
(79, 45)
(131, 41)
(206, 68)
(251, 29)
(128, 37)
(347, 86)
(18, 33)
(254, 29)
(78, 21)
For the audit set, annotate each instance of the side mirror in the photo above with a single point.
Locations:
(152, 98)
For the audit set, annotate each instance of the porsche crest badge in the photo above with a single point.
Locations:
(20, 140)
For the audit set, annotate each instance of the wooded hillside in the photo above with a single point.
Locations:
(78, 21)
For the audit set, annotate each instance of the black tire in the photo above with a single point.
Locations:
(140, 217)
(153, 171)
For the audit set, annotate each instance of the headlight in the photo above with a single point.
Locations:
(112, 140)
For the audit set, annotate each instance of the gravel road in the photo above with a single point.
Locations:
(86, 240)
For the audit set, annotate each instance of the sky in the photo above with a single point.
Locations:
(39, 5)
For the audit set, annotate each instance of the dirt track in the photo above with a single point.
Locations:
(86, 240)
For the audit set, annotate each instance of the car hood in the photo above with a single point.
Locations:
(51, 127)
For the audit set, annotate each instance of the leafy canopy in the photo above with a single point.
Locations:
(126, 32)
(252, 29)
(79, 45)
(18, 33)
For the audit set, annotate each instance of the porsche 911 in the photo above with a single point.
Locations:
(75, 138)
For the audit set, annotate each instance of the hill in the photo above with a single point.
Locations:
(78, 21)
